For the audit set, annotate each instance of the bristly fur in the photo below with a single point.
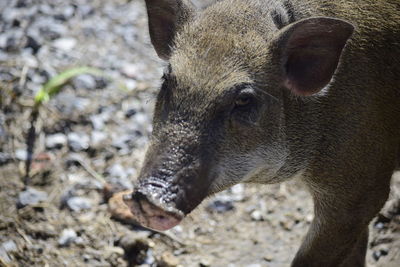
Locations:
(322, 80)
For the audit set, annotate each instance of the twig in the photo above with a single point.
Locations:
(91, 171)
(23, 236)
(30, 143)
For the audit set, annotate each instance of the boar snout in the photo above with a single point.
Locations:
(150, 214)
(172, 183)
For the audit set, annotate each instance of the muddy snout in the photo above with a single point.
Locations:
(152, 214)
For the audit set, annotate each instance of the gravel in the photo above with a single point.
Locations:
(67, 237)
(21, 154)
(97, 128)
(79, 203)
(56, 141)
(78, 141)
(31, 196)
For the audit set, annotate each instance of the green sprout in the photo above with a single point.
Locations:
(48, 90)
(53, 86)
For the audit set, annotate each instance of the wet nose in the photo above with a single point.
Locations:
(151, 215)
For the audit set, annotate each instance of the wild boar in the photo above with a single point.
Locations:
(261, 91)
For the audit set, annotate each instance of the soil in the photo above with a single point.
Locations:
(89, 143)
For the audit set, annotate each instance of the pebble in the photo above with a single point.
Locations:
(124, 143)
(97, 138)
(85, 10)
(5, 158)
(85, 81)
(136, 249)
(74, 159)
(57, 140)
(205, 263)
(21, 154)
(30, 196)
(118, 175)
(130, 84)
(268, 257)
(66, 13)
(78, 141)
(5, 248)
(220, 206)
(78, 203)
(9, 246)
(50, 30)
(67, 237)
(168, 260)
(66, 44)
(98, 120)
(379, 225)
(130, 112)
(130, 70)
(33, 43)
(256, 215)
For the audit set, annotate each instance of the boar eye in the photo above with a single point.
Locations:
(245, 106)
(245, 99)
(242, 101)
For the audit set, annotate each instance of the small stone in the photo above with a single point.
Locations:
(33, 44)
(123, 143)
(30, 196)
(85, 81)
(9, 246)
(384, 251)
(130, 112)
(108, 251)
(136, 249)
(168, 260)
(379, 225)
(85, 10)
(5, 248)
(56, 141)
(130, 70)
(21, 154)
(205, 263)
(66, 13)
(119, 210)
(97, 138)
(5, 158)
(65, 44)
(287, 224)
(78, 203)
(256, 215)
(98, 121)
(67, 237)
(78, 142)
(268, 257)
(52, 31)
(130, 84)
(220, 206)
(74, 159)
(376, 255)
(238, 192)
(118, 175)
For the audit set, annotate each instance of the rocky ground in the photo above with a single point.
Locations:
(90, 140)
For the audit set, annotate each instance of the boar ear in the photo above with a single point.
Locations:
(309, 52)
(165, 18)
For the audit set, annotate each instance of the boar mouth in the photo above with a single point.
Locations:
(151, 211)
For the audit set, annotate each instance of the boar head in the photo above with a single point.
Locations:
(224, 112)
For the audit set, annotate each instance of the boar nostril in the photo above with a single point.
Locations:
(138, 196)
(156, 184)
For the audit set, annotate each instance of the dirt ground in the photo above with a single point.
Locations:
(90, 141)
